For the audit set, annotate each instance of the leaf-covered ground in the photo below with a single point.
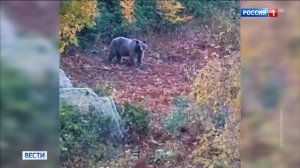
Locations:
(170, 65)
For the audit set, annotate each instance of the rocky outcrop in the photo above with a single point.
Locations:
(88, 101)
(64, 81)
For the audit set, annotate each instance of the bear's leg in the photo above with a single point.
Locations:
(111, 56)
(140, 58)
(119, 58)
(133, 60)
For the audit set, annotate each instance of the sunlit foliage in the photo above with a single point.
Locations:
(75, 15)
(219, 83)
(170, 9)
(218, 87)
(127, 9)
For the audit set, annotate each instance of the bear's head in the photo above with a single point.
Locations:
(140, 46)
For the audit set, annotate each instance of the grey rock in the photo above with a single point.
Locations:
(64, 81)
(88, 101)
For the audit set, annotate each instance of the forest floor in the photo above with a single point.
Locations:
(171, 64)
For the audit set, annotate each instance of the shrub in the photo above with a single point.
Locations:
(104, 89)
(108, 24)
(146, 16)
(84, 138)
(177, 118)
(218, 83)
(74, 16)
(205, 10)
(219, 120)
(226, 23)
(170, 10)
(217, 89)
(135, 118)
(127, 9)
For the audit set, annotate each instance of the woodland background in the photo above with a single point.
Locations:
(183, 109)
(270, 71)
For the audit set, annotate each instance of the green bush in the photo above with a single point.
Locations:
(103, 89)
(177, 118)
(135, 118)
(147, 17)
(219, 120)
(108, 25)
(221, 18)
(84, 138)
(206, 10)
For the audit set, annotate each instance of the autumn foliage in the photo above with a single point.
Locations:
(219, 82)
(128, 9)
(217, 87)
(170, 9)
(75, 15)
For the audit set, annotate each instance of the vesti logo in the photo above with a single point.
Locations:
(260, 12)
(34, 155)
